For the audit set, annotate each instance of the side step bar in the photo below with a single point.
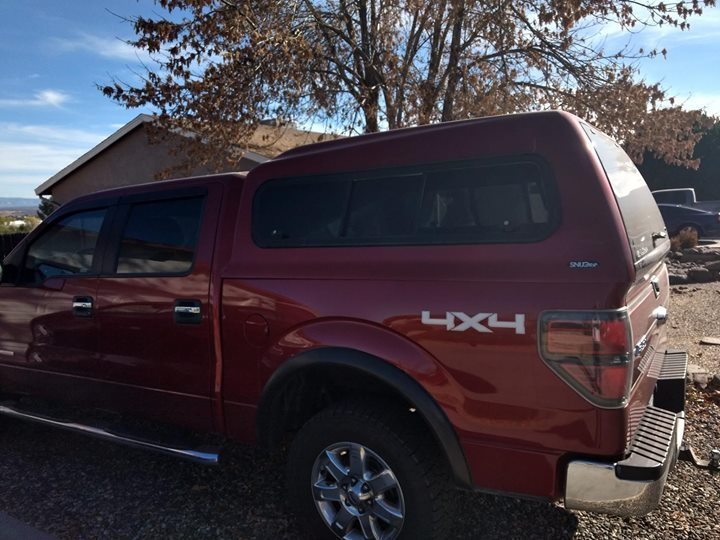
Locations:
(205, 455)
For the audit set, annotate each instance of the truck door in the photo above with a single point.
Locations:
(155, 343)
(48, 329)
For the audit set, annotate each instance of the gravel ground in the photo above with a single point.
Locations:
(694, 313)
(74, 487)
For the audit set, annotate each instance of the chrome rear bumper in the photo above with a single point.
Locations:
(595, 486)
(634, 485)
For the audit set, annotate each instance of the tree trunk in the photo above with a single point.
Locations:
(371, 109)
(453, 63)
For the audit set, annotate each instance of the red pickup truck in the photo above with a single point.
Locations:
(477, 304)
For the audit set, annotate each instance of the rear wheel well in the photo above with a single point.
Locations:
(315, 388)
(319, 378)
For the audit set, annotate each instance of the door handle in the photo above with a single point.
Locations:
(82, 306)
(188, 311)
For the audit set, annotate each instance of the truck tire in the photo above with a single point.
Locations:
(368, 471)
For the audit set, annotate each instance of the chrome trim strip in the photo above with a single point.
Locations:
(680, 431)
(3, 352)
(639, 347)
(206, 456)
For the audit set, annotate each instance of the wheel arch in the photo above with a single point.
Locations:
(699, 228)
(276, 400)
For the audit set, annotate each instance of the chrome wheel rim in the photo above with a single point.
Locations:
(356, 493)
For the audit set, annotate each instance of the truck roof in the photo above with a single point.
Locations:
(176, 183)
(521, 119)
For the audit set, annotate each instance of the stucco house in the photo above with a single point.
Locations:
(127, 157)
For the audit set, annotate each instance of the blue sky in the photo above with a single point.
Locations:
(52, 53)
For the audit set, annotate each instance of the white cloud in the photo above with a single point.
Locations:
(23, 167)
(112, 48)
(63, 135)
(29, 157)
(20, 185)
(703, 28)
(30, 154)
(44, 98)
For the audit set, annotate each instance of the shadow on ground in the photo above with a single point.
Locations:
(74, 487)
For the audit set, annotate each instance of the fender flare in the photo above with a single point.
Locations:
(373, 366)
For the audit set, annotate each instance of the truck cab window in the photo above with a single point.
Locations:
(66, 248)
(160, 237)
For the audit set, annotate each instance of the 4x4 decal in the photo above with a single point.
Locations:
(457, 321)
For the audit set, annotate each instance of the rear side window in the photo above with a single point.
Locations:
(438, 204)
(66, 248)
(382, 208)
(293, 213)
(637, 205)
(160, 237)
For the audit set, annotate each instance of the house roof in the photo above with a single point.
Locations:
(267, 142)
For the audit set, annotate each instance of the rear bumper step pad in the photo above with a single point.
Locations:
(651, 448)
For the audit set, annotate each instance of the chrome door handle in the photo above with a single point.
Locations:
(82, 306)
(191, 310)
(188, 312)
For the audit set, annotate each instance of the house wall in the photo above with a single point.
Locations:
(131, 160)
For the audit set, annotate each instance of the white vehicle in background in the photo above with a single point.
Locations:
(684, 197)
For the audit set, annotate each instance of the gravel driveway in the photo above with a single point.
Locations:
(694, 313)
(75, 487)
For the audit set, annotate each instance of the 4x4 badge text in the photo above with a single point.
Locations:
(457, 321)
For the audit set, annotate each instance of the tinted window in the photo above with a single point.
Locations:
(67, 247)
(383, 208)
(637, 205)
(439, 204)
(490, 204)
(160, 237)
(300, 213)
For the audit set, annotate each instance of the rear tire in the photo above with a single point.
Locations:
(368, 471)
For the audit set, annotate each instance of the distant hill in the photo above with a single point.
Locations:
(16, 203)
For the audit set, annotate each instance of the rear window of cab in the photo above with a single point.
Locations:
(451, 203)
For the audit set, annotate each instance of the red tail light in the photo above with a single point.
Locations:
(591, 351)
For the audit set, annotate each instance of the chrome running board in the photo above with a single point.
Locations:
(206, 455)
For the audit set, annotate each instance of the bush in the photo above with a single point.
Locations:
(685, 238)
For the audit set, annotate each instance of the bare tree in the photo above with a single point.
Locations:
(365, 65)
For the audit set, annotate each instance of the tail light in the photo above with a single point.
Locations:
(591, 351)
